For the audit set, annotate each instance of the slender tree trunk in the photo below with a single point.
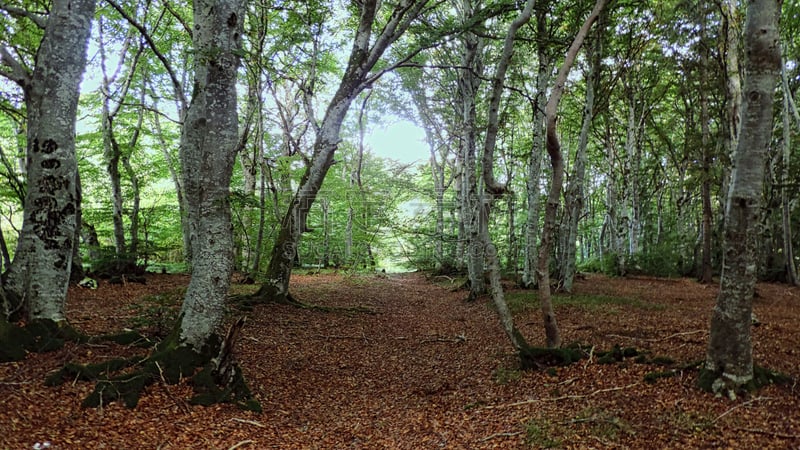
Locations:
(552, 333)
(729, 359)
(468, 83)
(574, 197)
(705, 266)
(208, 151)
(543, 75)
(39, 275)
(786, 207)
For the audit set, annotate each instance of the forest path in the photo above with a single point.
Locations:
(425, 370)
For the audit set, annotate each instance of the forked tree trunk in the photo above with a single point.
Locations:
(729, 358)
(39, 275)
(208, 151)
(552, 333)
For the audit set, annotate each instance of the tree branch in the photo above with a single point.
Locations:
(167, 66)
(38, 19)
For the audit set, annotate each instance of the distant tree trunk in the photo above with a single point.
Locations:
(469, 80)
(729, 359)
(179, 191)
(543, 75)
(208, 151)
(552, 333)
(574, 197)
(705, 194)
(786, 203)
(38, 278)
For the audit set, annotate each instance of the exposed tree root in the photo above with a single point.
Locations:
(248, 302)
(37, 337)
(218, 380)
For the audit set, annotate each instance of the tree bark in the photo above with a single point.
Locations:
(39, 275)
(543, 75)
(552, 333)
(786, 203)
(208, 151)
(730, 353)
(574, 198)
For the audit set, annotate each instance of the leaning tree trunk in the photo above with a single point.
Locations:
(552, 333)
(729, 358)
(39, 275)
(366, 52)
(208, 151)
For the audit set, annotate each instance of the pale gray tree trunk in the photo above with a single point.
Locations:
(492, 187)
(574, 196)
(39, 275)
(730, 351)
(469, 81)
(532, 189)
(552, 333)
(367, 50)
(786, 202)
(208, 151)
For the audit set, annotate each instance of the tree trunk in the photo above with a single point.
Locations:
(532, 189)
(705, 266)
(729, 358)
(552, 333)
(366, 52)
(786, 204)
(469, 80)
(208, 151)
(39, 274)
(574, 198)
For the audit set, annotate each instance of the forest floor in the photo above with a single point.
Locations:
(425, 369)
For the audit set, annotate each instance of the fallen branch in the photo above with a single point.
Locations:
(497, 435)
(769, 433)
(249, 422)
(749, 402)
(459, 338)
(245, 442)
(563, 397)
(685, 333)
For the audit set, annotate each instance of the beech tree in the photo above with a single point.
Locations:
(729, 360)
(36, 282)
(372, 38)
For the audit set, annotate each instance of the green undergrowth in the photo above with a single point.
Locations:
(522, 301)
(38, 336)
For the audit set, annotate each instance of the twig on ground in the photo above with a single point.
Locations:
(563, 397)
(769, 433)
(497, 435)
(749, 402)
(685, 333)
(249, 422)
(179, 403)
(459, 338)
(245, 442)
